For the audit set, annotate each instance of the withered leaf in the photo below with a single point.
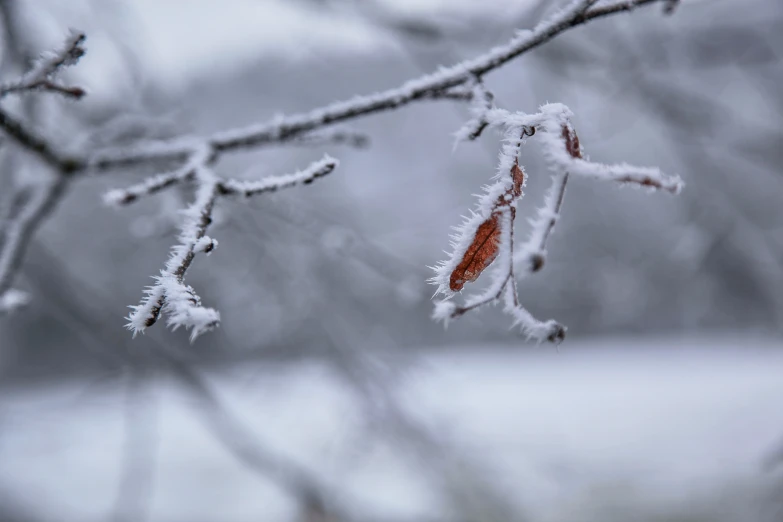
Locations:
(518, 175)
(479, 255)
(571, 142)
(484, 248)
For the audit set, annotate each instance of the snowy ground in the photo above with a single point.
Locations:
(655, 430)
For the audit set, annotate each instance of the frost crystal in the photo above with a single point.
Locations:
(169, 294)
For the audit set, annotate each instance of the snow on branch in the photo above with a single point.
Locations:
(462, 81)
(41, 75)
(154, 184)
(274, 183)
(557, 127)
(455, 82)
(169, 294)
(486, 236)
(347, 137)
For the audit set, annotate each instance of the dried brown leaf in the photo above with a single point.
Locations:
(479, 255)
(571, 142)
(484, 248)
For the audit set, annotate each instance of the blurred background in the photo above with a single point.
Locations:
(328, 394)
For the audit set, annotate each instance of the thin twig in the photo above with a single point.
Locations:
(435, 85)
(170, 293)
(39, 77)
(33, 143)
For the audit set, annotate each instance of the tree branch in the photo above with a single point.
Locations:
(169, 293)
(431, 86)
(39, 77)
(33, 143)
(460, 81)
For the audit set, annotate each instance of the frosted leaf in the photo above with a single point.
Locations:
(468, 248)
(482, 101)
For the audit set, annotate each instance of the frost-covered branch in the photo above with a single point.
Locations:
(274, 183)
(34, 143)
(334, 137)
(461, 82)
(534, 251)
(157, 183)
(169, 294)
(41, 75)
(482, 103)
(446, 83)
(486, 237)
(557, 129)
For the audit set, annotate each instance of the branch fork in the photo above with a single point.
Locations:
(170, 294)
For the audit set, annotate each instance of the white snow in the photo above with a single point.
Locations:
(661, 427)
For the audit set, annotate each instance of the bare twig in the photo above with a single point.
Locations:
(247, 189)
